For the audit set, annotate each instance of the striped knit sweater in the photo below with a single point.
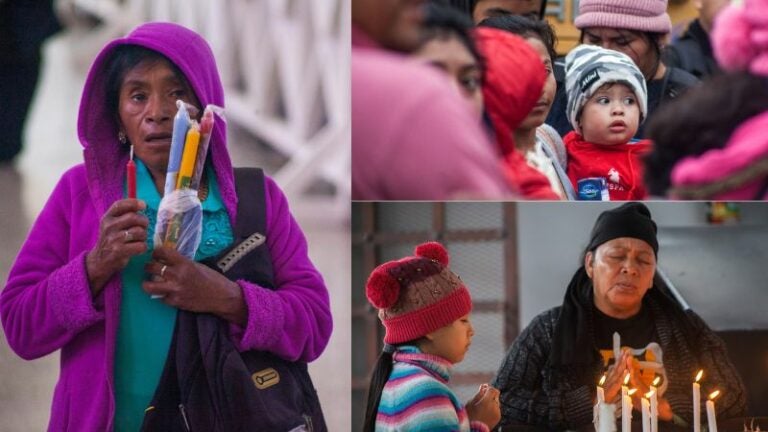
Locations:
(532, 394)
(417, 397)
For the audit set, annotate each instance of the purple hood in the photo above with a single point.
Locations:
(97, 129)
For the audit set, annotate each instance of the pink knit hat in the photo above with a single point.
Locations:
(740, 37)
(640, 15)
(417, 295)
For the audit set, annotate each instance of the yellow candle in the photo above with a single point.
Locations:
(189, 156)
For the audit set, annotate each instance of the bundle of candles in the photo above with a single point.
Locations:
(179, 218)
(605, 420)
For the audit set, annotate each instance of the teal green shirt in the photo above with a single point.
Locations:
(146, 325)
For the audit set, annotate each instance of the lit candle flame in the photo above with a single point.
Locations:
(631, 392)
(626, 379)
(602, 381)
(655, 382)
(698, 375)
(649, 394)
(714, 394)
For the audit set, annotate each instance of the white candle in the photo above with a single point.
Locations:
(603, 415)
(600, 390)
(626, 411)
(711, 420)
(655, 405)
(645, 409)
(600, 402)
(607, 416)
(624, 388)
(697, 403)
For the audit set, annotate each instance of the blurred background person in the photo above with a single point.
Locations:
(693, 51)
(541, 145)
(515, 76)
(715, 147)
(24, 26)
(446, 43)
(431, 146)
(532, 9)
(479, 10)
(703, 121)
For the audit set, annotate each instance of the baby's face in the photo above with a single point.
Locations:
(611, 116)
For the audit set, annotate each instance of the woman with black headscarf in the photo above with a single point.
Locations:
(618, 318)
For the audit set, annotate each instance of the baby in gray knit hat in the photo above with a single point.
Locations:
(607, 101)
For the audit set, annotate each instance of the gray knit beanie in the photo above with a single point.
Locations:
(589, 67)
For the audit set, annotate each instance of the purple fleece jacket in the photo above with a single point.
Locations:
(47, 304)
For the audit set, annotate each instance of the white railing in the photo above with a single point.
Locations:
(285, 69)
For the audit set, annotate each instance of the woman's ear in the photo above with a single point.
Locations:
(589, 261)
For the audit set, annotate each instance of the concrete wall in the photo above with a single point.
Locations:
(551, 237)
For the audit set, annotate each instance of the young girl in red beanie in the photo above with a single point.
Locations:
(424, 308)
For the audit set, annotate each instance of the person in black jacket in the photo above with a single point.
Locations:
(693, 51)
(618, 318)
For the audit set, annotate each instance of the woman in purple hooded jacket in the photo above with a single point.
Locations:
(82, 281)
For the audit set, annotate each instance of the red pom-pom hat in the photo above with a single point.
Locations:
(417, 295)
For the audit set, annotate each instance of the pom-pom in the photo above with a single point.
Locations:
(382, 289)
(434, 251)
(731, 39)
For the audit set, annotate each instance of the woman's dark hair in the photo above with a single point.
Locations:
(701, 119)
(443, 22)
(468, 6)
(654, 40)
(123, 59)
(525, 28)
(379, 378)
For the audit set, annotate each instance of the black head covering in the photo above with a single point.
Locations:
(573, 339)
(632, 219)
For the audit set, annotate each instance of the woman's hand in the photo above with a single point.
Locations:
(192, 286)
(615, 376)
(484, 406)
(122, 234)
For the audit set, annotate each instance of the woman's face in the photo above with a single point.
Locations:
(636, 45)
(539, 112)
(146, 107)
(452, 341)
(450, 55)
(622, 271)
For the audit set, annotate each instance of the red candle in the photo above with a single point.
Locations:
(131, 174)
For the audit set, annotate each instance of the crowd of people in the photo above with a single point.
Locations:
(516, 121)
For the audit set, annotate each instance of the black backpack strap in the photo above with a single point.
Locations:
(249, 257)
(251, 208)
